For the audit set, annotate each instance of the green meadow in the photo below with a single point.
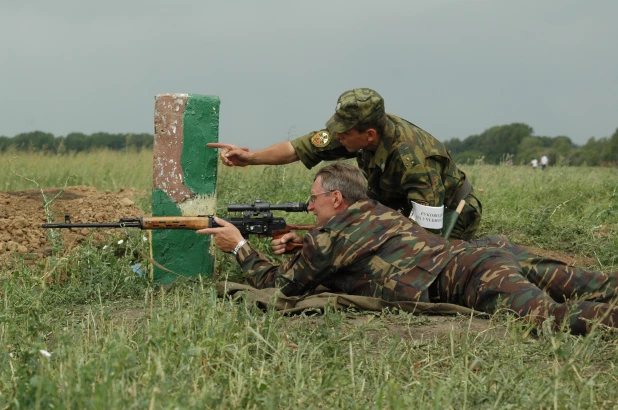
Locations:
(119, 341)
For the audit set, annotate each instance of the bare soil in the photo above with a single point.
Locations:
(433, 327)
(22, 213)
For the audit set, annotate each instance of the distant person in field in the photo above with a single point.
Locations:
(404, 164)
(361, 247)
(544, 162)
(534, 163)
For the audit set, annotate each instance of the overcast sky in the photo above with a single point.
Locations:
(452, 67)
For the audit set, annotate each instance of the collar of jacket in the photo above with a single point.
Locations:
(352, 214)
(386, 143)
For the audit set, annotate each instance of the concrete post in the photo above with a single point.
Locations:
(184, 182)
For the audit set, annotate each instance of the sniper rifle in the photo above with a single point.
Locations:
(257, 219)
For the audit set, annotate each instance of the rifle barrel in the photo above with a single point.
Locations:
(123, 223)
(92, 225)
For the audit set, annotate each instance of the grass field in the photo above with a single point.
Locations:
(118, 341)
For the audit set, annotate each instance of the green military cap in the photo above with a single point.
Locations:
(357, 106)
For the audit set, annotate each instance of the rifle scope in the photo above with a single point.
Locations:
(260, 206)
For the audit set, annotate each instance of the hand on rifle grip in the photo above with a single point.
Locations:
(285, 241)
(290, 246)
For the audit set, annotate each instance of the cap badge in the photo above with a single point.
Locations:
(321, 139)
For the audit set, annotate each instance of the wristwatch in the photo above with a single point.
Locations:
(240, 245)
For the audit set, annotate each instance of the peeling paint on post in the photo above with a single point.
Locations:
(184, 181)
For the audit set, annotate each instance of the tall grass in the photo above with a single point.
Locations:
(104, 170)
(118, 341)
(572, 209)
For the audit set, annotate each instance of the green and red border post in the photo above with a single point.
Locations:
(184, 182)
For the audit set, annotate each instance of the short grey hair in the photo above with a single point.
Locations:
(345, 178)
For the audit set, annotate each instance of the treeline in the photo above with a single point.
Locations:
(512, 143)
(516, 144)
(75, 142)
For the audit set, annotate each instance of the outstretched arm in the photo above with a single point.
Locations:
(277, 154)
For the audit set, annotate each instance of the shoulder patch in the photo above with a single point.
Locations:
(321, 139)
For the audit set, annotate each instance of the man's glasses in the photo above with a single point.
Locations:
(312, 196)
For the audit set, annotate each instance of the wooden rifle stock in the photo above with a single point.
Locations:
(193, 223)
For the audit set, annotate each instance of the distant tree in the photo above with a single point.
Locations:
(131, 142)
(589, 153)
(61, 147)
(77, 142)
(494, 143)
(561, 150)
(610, 153)
(139, 141)
(35, 141)
(467, 157)
(530, 147)
(102, 140)
(147, 140)
(5, 143)
(454, 146)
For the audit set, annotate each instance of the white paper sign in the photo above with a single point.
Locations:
(430, 217)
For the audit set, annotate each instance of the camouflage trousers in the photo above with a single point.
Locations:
(469, 220)
(490, 278)
(560, 280)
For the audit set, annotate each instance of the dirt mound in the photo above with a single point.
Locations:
(22, 213)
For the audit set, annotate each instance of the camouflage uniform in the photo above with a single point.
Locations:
(371, 250)
(408, 165)
(559, 279)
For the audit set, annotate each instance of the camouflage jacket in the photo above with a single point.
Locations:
(409, 164)
(367, 250)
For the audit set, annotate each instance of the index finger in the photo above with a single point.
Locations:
(221, 222)
(210, 231)
(220, 145)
